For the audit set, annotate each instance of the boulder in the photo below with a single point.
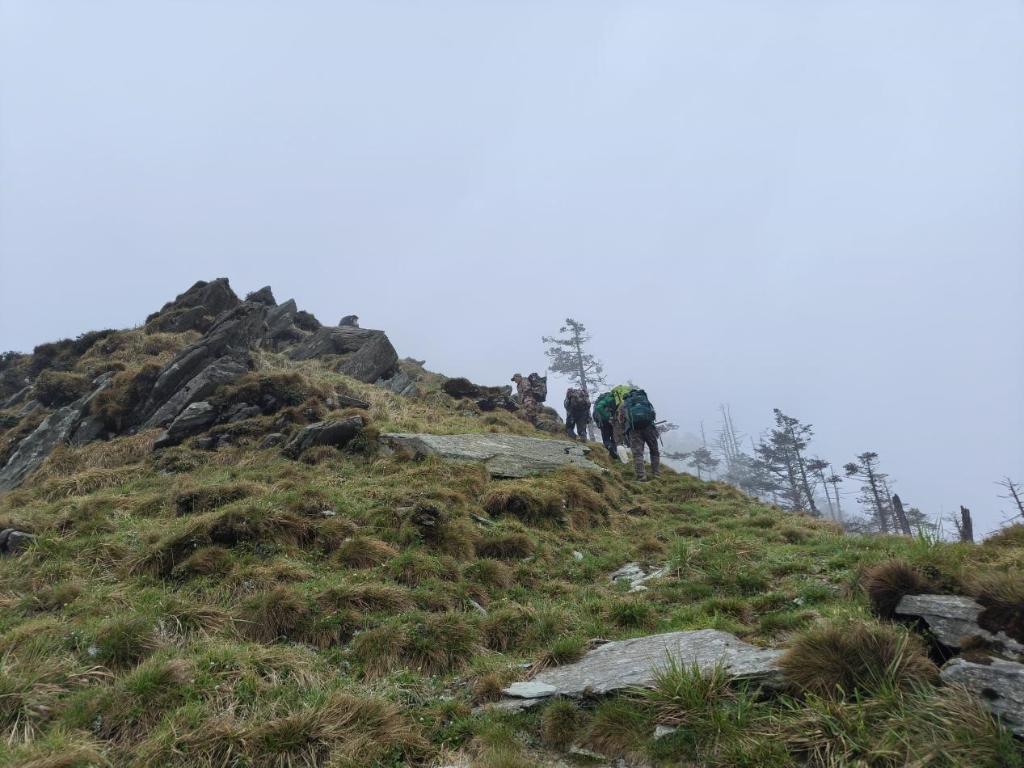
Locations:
(193, 420)
(635, 663)
(376, 359)
(338, 433)
(401, 384)
(951, 618)
(263, 296)
(999, 684)
(90, 428)
(17, 542)
(635, 575)
(272, 440)
(502, 455)
(332, 341)
(460, 387)
(196, 309)
(349, 320)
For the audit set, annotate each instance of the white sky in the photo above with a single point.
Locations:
(815, 205)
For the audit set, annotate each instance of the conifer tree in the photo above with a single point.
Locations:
(568, 357)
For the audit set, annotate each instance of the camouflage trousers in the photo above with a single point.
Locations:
(638, 438)
(578, 420)
(530, 408)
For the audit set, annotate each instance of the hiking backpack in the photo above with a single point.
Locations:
(576, 399)
(538, 386)
(604, 408)
(638, 409)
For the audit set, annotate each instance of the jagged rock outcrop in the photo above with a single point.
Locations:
(998, 683)
(635, 663)
(332, 341)
(339, 433)
(55, 429)
(194, 310)
(502, 455)
(194, 419)
(376, 359)
(263, 296)
(952, 618)
(486, 398)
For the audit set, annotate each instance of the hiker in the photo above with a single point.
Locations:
(577, 412)
(604, 417)
(637, 417)
(533, 390)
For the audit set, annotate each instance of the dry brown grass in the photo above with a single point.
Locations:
(834, 659)
(887, 583)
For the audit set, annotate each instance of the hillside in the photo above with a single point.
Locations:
(222, 556)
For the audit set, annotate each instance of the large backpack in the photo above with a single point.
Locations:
(604, 408)
(576, 400)
(638, 409)
(538, 386)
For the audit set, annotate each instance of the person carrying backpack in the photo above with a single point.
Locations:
(577, 412)
(533, 390)
(638, 417)
(604, 417)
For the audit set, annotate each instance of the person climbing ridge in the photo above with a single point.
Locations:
(604, 417)
(577, 413)
(637, 417)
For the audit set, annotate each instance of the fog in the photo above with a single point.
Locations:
(816, 206)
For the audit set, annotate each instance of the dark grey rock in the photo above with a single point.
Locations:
(90, 428)
(55, 429)
(240, 412)
(635, 663)
(951, 618)
(376, 359)
(338, 433)
(999, 684)
(17, 542)
(3, 537)
(332, 341)
(349, 321)
(17, 398)
(502, 455)
(28, 407)
(191, 421)
(221, 371)
(401, 384)
(263, 296)
(196, 309)
(272, 440)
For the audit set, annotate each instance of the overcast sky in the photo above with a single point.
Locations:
(811, 205)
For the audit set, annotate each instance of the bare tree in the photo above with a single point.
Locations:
(900, 515)
(1015, 494)
(964, 525)
(817, 469)
(569, 357)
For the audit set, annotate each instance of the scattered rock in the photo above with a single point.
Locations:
(951, 618)
(193, 420)
(661, 731)
(221, 371)
(263, 296)
(577, 555)
(272, 440)
(13, 541)
(375, 360)
(338, 433)
(999, 684)
(502, 455)
(401, 384)
(635, 575)
(530, 690)
(635, 663)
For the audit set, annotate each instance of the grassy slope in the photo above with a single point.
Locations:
(200, 609)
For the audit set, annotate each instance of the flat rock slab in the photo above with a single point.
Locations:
(635, 575)
(952, 618)
(502, 455)
(999, 684)
(635, 663)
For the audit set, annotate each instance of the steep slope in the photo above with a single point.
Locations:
(227, 601)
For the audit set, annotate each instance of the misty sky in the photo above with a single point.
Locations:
(811, 205)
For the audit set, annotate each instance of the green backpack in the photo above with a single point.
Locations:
(604, 408)
(639, 411)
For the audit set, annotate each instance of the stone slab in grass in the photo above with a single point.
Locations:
(635, 663)
(998, 683)
(503, 455)
(951, 618)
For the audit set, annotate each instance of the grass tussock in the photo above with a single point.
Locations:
(1002, 598)
(888, 582)
(285, 614)
(196, 500)
(846, 658)
(432, 644)
(364, 552)
(55, 389)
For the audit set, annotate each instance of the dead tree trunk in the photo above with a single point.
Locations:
(900, 515)
(964, 525)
